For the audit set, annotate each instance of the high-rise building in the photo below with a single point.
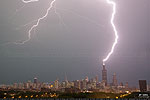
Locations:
(86, 79)
(83, 84)
(143, 85)
(56, 84)
(127, 85)
(15, 85)
(96, 78)
(20, 85)
(77, 84)
(121, 83)
(104, 75)
(35, 80)
(66, 81)
(114, 81)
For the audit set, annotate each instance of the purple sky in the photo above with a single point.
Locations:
(78, 47)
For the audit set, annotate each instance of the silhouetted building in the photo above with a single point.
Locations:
(66, 81)
(83, 84)
(127, 85)
(114, 81)
(121, 83)
(104, 75)
(96, 78)
(143, 85)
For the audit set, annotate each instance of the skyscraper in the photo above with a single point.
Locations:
(104, 75)
(87, 79)
(127, 85)
(35, 80)
(83, 84)
(143, 85)
(56, 84)
(114, 81)
(77, 84)
(96, 78)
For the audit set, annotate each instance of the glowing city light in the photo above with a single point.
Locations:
(114, 28)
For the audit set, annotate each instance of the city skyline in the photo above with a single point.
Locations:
(75, 44)
(103, 79)
(87, 86)
(75, 86)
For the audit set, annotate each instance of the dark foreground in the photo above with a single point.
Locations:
(27, 95)
(75, 99)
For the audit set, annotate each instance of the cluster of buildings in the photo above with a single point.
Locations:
(84, 85)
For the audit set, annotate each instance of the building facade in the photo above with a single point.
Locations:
(104, 75)
(143, 85)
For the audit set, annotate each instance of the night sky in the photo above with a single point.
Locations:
(75, 45)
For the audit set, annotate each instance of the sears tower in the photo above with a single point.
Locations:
(104, 75)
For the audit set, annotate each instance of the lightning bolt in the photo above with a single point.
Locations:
(26, 24)
(24, 1)
(51, 6)
(61, 22)
(114, 28)
(37, 22)
(81, 16)
(29, 1)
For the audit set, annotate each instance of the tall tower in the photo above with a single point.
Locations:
(104, 75)
(66, 81)
(114, 81)
(96, 78)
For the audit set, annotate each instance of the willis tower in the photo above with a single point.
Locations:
(104, 75)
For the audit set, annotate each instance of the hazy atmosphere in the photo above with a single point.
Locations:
(73, 40)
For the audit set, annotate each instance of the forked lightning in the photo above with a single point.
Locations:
(111, 2)
(37, 22)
